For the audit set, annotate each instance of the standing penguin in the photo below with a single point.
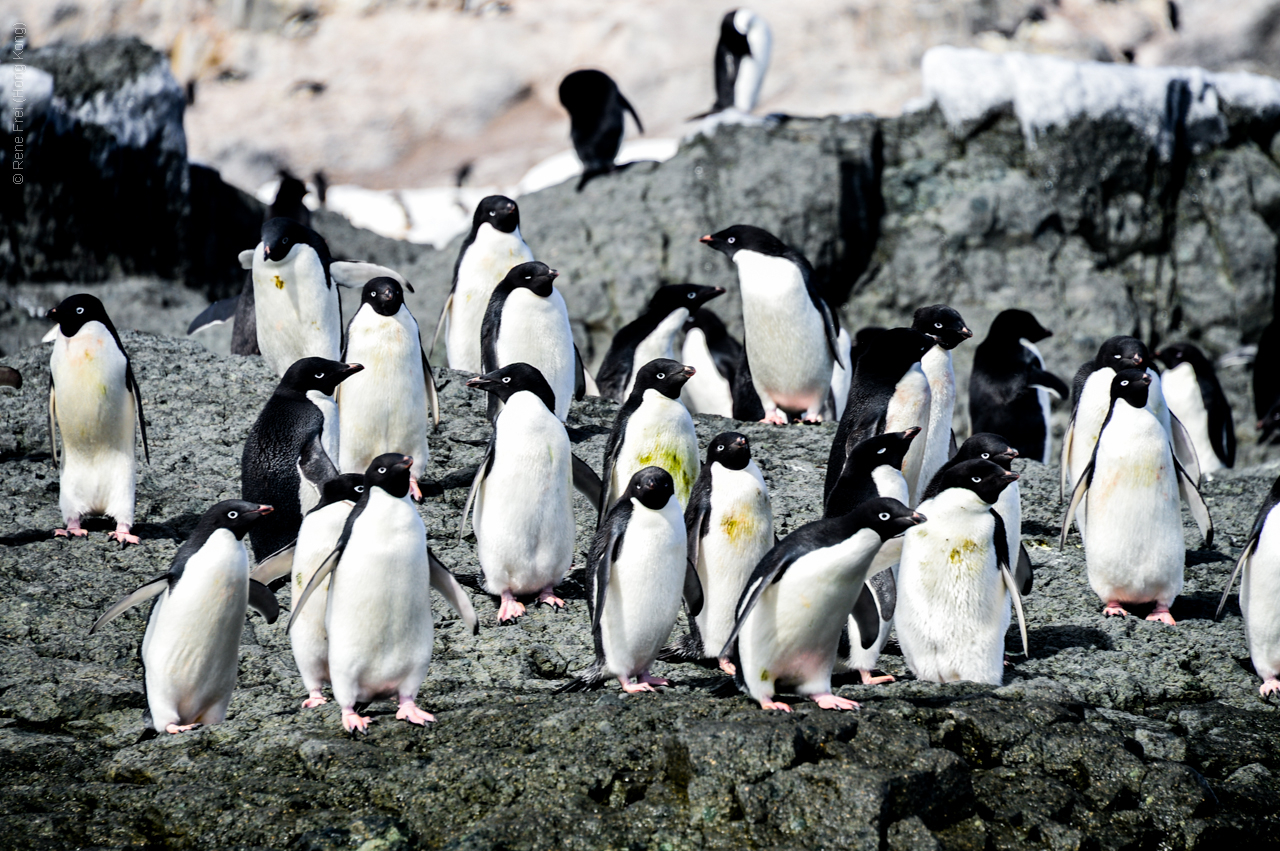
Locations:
(799, 597)
(378, 614)
(889, 392)
(872, 468)
(1195, 397)
(596, 118)
(1009, 388)
(1133, 545)
(191, 649)
(842, 376)
(1259, 563)
(955, 584)
(386, 409)
(946, 328)
(742, 58)
(527, 322)
(93, 400)
(789, 332)
(729, 521)
(652, 335)
(492, 248)
(289, 451)
(652, 428)
(714, 353)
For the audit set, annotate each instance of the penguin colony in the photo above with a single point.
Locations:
(919, 536)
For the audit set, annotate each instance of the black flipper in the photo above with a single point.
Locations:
(1022, 573)
(432, 393)
(215, 314)
(588, 483)
(447, 584)
(131, 384)
(770, 569)
(263, 601)
(692, 590)
(867, 616)
(579, 376)
(149, 589)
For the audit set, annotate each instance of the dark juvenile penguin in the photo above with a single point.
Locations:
(872, 468)
(710, 349)
(1259, 568)
(742, 58)
(651, 335)
(1266, 373)
(289, 452)
(596, 117)
(191, 649)
(95, 403)
(1195, 397)
(1009, 388)
(946, 328)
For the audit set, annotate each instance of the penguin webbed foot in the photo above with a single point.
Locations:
(315, 699)
(1269, 687)
(1160, 614)
(727, 666)
(868, 679)
(181, 728)
(511, 609)
(775, 417)
(122, 535)
(1114, 609)
(649, 679)
(73, 530)
(547, 597)
(833, 701)
(634, 688)
(770, 703)
(353, 722)
(410, 712)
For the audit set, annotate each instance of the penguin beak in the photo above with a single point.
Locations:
(966, 333)
(706, 240)
(351, 369)
(480, 381)
(266, 251)
(1009, 453)
(52, 314)
(403, 464)
(1145, 379)
(260, 512)
(912, 432)
(1010, 477)
(689, 372)
(917, 518)
(739, 442)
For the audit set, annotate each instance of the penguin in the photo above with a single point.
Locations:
(1195, 397)
(889, 392)
(954, 582)
(729, 525)
(653, 428)
(386, 408)
(946, 328)
(288, 202)
(191, 649)
(523, 493)
(788, 329)
(240, 311)
(650, 336)
(289, 451)
(491, 249)
(595, 107)
(1269, 425)
(1266, 371)
(841, 376)
(638, 571)
(872, 468)
(1009, 388)
(714, 353)
(742, 58)
(95, 402)
(798, 599)
(527, 322)
(1260, 593)
(1133, 545)
(378, 611)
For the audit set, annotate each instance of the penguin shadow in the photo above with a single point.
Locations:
(177, 529)
(583, 433)
(1036, 529)
(1048, 641)
(1197, 605)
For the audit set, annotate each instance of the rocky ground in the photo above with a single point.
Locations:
(1113, 734)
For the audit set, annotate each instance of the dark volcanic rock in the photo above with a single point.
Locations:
(1113, 734)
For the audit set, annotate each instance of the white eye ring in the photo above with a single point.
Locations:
(384, 469)
(730, 240)
(528, 277)
(493, 212)
(506, 380)
(690, 295)
(319, 375)
(884, 515)
(937, 325)
(986, 455)
(79, 310)
(881, 450)
(720, 448)
(1117, 357)
(233, 514)
(359, 488)
(1124, 383)
(975, 479)
(662, 375)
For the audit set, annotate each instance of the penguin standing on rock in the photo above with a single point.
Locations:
(944, 326)
(1195, 397)
(1259, 569)
(789, 331)
(94, 401)
(191, 649)
(714, 353)
(596, 117)
(742, 58)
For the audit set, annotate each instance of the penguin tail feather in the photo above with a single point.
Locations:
(686, 648)
(591, 679)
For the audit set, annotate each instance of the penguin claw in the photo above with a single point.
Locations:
(511, 608)
(1269, 687)
(649, 679)
(869, 680)
(1114, 609)
(70, 532)
(1161, 615)
(832, 701)
(410, 712)
(550, 599)
(775, 417)
(775, 704)
(180, 728)
(123, 536)
(353, 721)
(634, 688)
(314, 700)
(728, 667)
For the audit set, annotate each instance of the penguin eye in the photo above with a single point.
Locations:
(1124, 383)
(884, 515)
(1117, 357)
(319, 375)
(937, 325)
(284, 240)
(79, 310)
(506, 380)
(662, 375)
(881, 450)
(720, 448)
(986, 454)
(359, 488)
(690, 295)
(976, 479)
(730, 240)
(384, 469)
(493, 212)
(233, 514)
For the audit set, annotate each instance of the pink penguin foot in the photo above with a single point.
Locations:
(122, 535)
(1114, 609)
(831, 701)
(869, 680)
(511, 608)
(649, 679)
(352, 721)
(414, 490)
(769, 703)
(180, 728)
(410, 712)
(811, 419)
(1269, 687)
(634, 688)
(316, 699)
(1160, 614)
(775, 417)
(73, 530)
(728, 667)
(547, 596)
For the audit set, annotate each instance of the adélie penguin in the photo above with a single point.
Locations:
(191, 649)
(711, 350)
(946, 328)
(1133, 545)
(378, 613)
(798, 599)
(651, 335)
(789, 331)
(1259, 569)
(1195, 397)
(388, 407)
(596, 118)
(955, 586)
(491, 249)
(95, 403)
(742, 58)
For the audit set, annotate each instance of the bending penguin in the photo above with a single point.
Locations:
(714, 353)
(596, 118)
(95, 403)
(191, 649)
(1259, 571)
(1195, 397)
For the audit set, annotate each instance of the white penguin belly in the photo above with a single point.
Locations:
(659, 433)
(487, 260)
(865, 658)
(535, 330)
(661, 343)
(841, 378)
(1260, 601)
(707, 392)
(524, 509)
(645, 588)
(297, 313)
(1182, 395)
(317, 537)
(908, 408)
(384, 407)
(937, 367)
(192, 644)
(1042, 396)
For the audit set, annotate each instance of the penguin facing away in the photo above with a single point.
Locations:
(190, 651)
(1195, 397)
(742, 58)
(95, 402)
(388, 407)
(798, 598)
(714, 353)
(1259, 568)
(946, 328)
(596, 118)
(378, 613)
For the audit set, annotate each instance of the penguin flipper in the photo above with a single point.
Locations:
(693, 598)
(53, 423)
(447, 584)
(1240, 563)
(220, 311)
(1064, 465)
(1195, 502)
(579, 375)
(769, 570)
(1017, 606)
(263, 601)
(1077, 495)
(316, 465)
(1184, 451)
(1023, 571)
(444, 314)
(141, 594)
(317, 579)
(131, 384)
(356, 273)
(604, 549)
(486, 464)
(695, 516)
(1049, 382)
(246, 259)
(866, 616)
(275, 566)
(832, 331)
(587, 482)
(433, 393)
(626, 104)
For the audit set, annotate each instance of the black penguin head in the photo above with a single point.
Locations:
(985, 478)
(317, 374)
(746, 238)
(1180, 353)
(941, 323)
(1017, 325)
(712, 326)
(585, 94)
(891, 353)
(1131, 385)
(664, 375)
(889, 448)
(512, 379)
(348, 486)
(234, 515)
(887, 516)
(733, 39)
(533, 276)
(281, 235)
(987, 447)
(497, 211)
(689, 296)
(74, 311)
(389, 472)
(730, 450)
(1122, 352)
(384, 295)
(652, 486)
